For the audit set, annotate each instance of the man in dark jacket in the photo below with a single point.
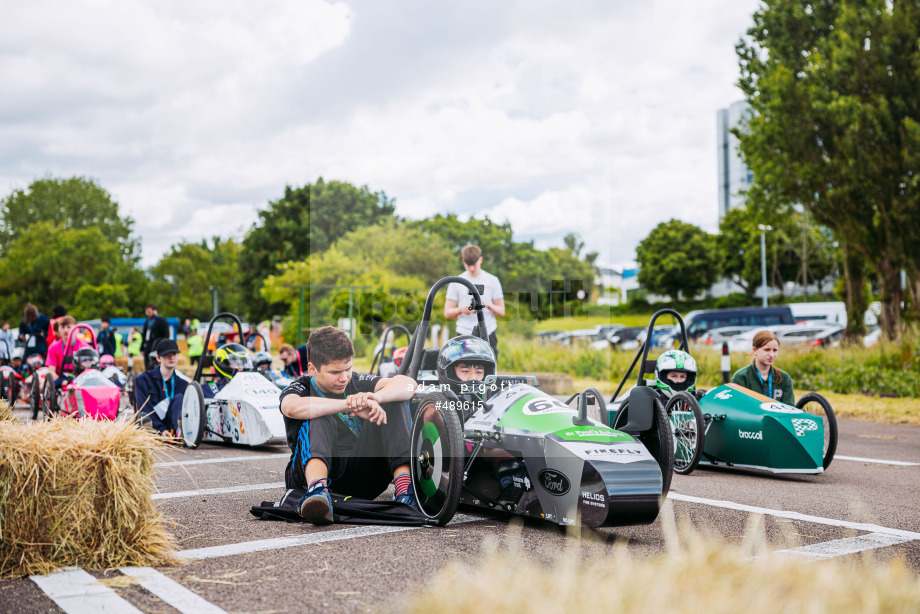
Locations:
(155, 328)
(33, 331)
(159, 391)
(106, 338)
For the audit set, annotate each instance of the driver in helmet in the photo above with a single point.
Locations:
(262, 361)
(229, 359)
(85, 359)
(675, 371)
(463, 364)
(16, 360)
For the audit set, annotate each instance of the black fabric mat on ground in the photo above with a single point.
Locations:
(345, 510)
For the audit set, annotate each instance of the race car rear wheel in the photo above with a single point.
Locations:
(437, 457)
(192, 416)
(49, 397)
(688, 430)
(658, 440)
(35, 398)
(129, 391)
(818, 406)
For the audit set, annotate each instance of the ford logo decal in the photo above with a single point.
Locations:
(554, 482)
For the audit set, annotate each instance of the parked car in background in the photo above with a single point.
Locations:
(716, 337)
(834, 312)
(698, 322)
(620, 339)
(795, 335)
(572, 337)
(547, 335)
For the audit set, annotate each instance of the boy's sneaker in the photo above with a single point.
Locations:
(407, 499)
(316, 506)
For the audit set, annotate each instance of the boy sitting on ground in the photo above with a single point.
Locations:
(347, 432)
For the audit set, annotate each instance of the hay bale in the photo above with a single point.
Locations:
(6, 412)
(78, 493)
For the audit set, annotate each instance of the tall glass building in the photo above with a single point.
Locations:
(734, 175)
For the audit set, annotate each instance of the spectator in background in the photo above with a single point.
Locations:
(457, 305)
(57, 312)
(195, 347)
(33, 331)
(134, 343)
(295, 360)
(159, 391)
(155, 328)
(7, 342)
(106, 340)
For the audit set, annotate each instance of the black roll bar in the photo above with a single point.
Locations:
(413, 358)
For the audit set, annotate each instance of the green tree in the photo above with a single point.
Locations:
(76, 203)
(104, 300)
(835, 95)
(738, 249)
(184, 278)
(48, 264)
(302, 222)
(677, 259)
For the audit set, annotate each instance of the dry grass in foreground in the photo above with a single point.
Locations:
(702, 574)
(78, 493)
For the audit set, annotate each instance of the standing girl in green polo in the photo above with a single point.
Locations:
(761, 375)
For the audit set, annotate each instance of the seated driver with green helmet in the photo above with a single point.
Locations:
(229, 360)
(675, 371)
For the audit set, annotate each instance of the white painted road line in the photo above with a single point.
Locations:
(171, 591)
(876, 461)
(842, 547)
(291, 541)
(846, 524)
(77, 592)
(228, 459)
(216, 491)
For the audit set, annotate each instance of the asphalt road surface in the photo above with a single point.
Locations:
(868, 500)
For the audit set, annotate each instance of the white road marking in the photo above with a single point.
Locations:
(216, 491)
(846, 524)
(302, 540)
(77, 592)
(171, 591)
(230, 459)
(876, 461)
(841, 547)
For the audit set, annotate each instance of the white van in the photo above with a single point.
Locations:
(833, 312)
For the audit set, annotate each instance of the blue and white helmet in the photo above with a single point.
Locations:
(675, 361)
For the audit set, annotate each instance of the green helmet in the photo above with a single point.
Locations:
(675, 361)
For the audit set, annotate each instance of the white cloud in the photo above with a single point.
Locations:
(194, 115)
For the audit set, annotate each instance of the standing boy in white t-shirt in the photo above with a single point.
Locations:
(457, 305)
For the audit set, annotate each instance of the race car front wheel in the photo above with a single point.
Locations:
(49, 397)
(35, 397)
(818, 406)
(688, 429)
(437, 457)
(192, 416)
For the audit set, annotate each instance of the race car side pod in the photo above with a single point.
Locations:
(726, 363)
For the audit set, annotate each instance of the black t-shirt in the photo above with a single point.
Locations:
(303, 388)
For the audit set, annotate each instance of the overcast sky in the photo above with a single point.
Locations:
(595, 117)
